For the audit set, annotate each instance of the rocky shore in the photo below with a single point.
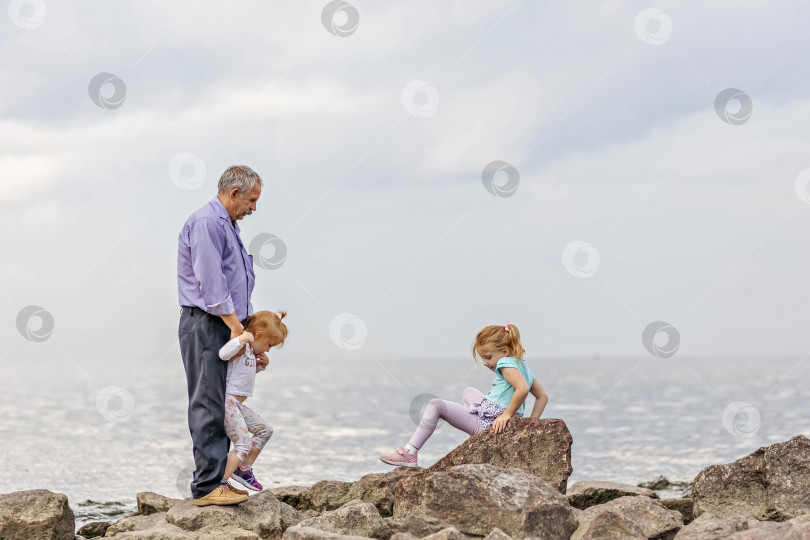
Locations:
(513, 485)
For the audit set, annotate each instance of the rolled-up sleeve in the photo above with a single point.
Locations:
(207, 240)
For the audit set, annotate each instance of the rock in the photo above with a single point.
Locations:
(308, 533)
(225, 533)
(589, 493)
(261, 513)
(36, 513)
(158, 531)
(355, 518)
(774, 531)
(682, 505)
(94, 529)
(771, 483)
(710, 527)
(290, 494)
(152, 503)
(478, 498)
(421, 526)
(135, 523)
(653, 518)
(376, 488)
(155, 527)
(607, 524)
(662, 482)
(450, 533)
(497, 534)
(322, 496)
(539, 446)
(403, 536)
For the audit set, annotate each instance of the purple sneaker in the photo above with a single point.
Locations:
(247, 479)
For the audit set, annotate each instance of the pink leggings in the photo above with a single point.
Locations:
(458, 416)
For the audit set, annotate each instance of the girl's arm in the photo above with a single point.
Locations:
(235, 346)
(230, 349)
(540, 399)
(515, 378)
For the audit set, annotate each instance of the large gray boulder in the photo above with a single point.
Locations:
(653, 518)
(36, 513)
(541, 447)
(261, 513)
(375, 488)
(478, 498)
(590, 493)
(771, 483)
(355, 518)
(262, 516)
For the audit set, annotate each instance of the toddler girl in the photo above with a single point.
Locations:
(247, 430)
(500, 350)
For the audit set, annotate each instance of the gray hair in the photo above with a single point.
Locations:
(241, 177)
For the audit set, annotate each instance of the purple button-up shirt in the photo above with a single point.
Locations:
(214, 270)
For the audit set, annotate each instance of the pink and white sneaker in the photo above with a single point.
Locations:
(400, 458)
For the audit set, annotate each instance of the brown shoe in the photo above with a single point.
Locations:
(236, 489)
(220, 496)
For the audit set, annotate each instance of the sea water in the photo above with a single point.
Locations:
(101, 436)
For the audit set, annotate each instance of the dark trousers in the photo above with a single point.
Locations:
(201, 336)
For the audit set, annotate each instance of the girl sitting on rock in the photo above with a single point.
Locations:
(248, 431)
(500, 350)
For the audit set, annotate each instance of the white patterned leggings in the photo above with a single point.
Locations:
(245, 427)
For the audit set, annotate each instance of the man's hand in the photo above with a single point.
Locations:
(262, 360)
(501, 422)
(233, 323)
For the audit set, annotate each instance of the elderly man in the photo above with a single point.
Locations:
(215, 281)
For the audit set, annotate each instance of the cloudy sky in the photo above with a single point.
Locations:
(631, 189)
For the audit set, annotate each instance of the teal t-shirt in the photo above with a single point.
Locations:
(502, 392)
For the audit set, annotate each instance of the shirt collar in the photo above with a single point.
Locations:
(220, 211)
